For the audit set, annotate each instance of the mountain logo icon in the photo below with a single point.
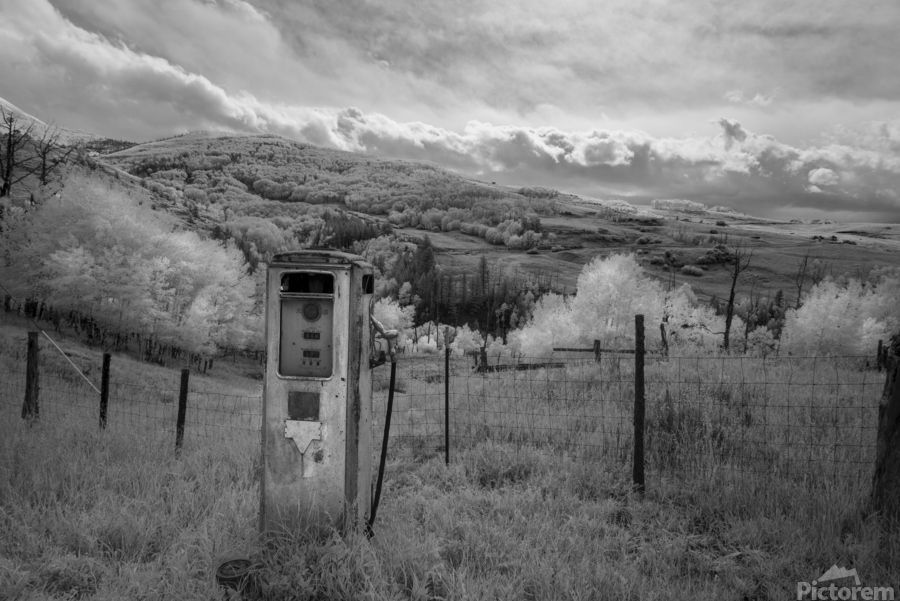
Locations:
(837, 573)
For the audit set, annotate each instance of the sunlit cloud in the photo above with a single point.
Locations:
(487, 92)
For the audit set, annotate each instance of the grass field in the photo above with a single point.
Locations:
(89, 516)
(536, 503)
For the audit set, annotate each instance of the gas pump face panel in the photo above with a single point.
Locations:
(307, 325)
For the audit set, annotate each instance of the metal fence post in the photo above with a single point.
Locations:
(447, 405)
(30, 406)
(182, 409)
(104, 390)
(637, 473)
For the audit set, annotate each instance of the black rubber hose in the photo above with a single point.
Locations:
(384, 446)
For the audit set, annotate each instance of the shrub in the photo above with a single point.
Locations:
(299, 194)
(494, 236)
(195, 194)
(474, 229)
(692, 270)
(272, 190)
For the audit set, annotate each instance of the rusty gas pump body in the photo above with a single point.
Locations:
(317, 398)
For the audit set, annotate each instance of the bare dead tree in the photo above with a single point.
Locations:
(15, 164)
(50, 154)
(754, 304)
(800, 278)
(812, 271)
(742, 258)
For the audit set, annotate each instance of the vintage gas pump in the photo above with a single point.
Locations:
(317, 399)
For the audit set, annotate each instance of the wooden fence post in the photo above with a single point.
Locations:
(30, 406)
(597, 352)
(637, 473)
(665, 341)
(104, 390)
(182, 409)
(886, 481)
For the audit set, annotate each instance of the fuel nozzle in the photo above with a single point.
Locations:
(390, 336)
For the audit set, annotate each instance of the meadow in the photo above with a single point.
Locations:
(756, 478)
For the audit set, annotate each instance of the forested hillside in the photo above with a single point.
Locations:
(239, 181)
(268, 194)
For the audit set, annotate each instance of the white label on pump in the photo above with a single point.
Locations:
(304, 434)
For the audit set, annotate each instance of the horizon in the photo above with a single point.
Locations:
(775, 112)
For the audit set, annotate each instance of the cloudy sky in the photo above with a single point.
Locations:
(774, 108)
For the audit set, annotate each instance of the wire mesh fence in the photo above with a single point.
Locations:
(567, 406)
(141, 412)
(804, 419)
(798, 418)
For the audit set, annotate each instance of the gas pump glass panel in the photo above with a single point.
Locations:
(307, 325)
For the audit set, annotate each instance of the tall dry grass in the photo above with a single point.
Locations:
(536, 504)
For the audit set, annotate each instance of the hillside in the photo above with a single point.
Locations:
(219, 179)
(233, 169)
(40, 128)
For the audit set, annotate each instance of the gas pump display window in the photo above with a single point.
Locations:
(307, 310)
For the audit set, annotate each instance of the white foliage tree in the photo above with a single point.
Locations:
(122, 263)
(611, 291)
(844, 318)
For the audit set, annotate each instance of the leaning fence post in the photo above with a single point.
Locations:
(637, 473)
(182, 408)
(597, 351)
(104, 390)
(447, 405)
(30, 406)
(665, 340)
(886, 481)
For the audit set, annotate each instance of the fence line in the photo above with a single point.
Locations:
(807, 419)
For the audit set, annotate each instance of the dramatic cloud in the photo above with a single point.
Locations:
(822, 176)
(638, 101)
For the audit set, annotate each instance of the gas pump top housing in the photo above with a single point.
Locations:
(317, 395)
